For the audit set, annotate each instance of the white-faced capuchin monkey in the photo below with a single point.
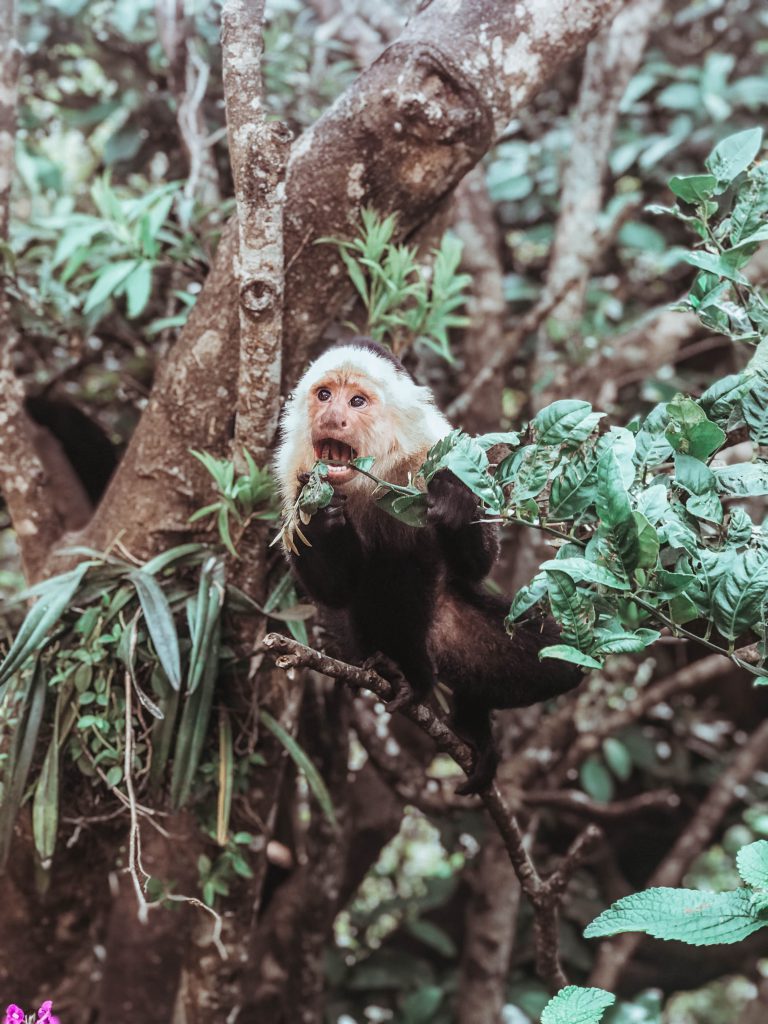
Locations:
(413, 595)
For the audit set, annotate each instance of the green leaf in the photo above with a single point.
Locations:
(193, 727)
(694, 187)
(571, 608)
(738, 601)
(433, 936)
(138, 287)
(754, 406)
(734, 154)
(410, 509)
(596, 780)
(751, 205)
(565, 652)
(204, 618)
(528, 470)
(714, 263)
(618, 758)
(16, 769)
(699, 480)
(624, 643)
(743, 480)
(615, 513)
(581, 570)
(303, 763)
(420, 1006)
(45, 804)
(647, 542)
(576, 1005)
(226, 778)
(697, 918)
(752, 862)
(565, 420)
(108, 282)
(690, 431)
(159, 620)
(527, 597)
(55, 597)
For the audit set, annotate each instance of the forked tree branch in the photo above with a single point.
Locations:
(545, 894)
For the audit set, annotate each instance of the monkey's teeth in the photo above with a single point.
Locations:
(325, 454)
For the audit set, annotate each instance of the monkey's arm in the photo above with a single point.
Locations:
(329, 569)
(470, 548)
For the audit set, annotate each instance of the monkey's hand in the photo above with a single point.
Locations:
(450, 503)
(389, 670)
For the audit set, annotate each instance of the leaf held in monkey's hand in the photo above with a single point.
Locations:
(316, 493)
(410, 509)
(467, 460)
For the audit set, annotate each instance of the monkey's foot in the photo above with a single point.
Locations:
(390, 670)
(482, 775)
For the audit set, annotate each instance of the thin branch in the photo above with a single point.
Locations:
(544, 894)
(576, 802)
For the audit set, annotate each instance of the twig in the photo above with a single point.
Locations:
(544, 894)
(134, 836)
(579, 803)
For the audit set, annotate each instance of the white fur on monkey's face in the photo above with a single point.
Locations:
(352, 402)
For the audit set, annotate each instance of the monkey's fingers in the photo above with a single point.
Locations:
(403, 693)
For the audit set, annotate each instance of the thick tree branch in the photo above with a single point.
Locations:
(24, 482)
(544, 894)
(399, 139)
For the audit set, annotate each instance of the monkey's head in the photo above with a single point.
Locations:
(354, 400)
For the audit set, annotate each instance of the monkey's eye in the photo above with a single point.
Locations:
(323, 394)
(358, 401)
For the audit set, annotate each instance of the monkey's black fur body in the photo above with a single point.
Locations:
(414, 595)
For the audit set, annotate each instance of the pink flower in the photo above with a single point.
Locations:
(14, 1015)
(44, 1015)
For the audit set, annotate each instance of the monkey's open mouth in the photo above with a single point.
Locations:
(337, 455)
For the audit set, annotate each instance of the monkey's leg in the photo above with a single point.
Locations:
(472, 722)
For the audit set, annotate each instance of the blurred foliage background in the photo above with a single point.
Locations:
(110, 243)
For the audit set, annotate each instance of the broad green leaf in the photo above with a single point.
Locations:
(754, 407)
(624, 643)
(717, 263)
(572, 609)
(699, 480)
(690, 431)
(159, 620)
(409, 509)
(303, 763)
(738, 601)
(615, 513)
(653, 503)
(575, 1005)
(581, 570)
(596, 780)
(682, 609)
(528, 470)
(467, 461)
(618, 758)
(734, 154)
(740, 527)
(527, 597)
(697, 918)
(694, 187)
(751, 205)
(743, 480)
(565, 652)
(719, 400)
(56, 595)
(651, 444)
(433, 936)
(420, 1006)
(752, 862)
(565, 420)
(647, 542)
(509, 438)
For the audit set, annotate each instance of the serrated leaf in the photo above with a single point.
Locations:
(752, 862)
(565, 420)
(576, 1005)
(159, 620)
(697, 918)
